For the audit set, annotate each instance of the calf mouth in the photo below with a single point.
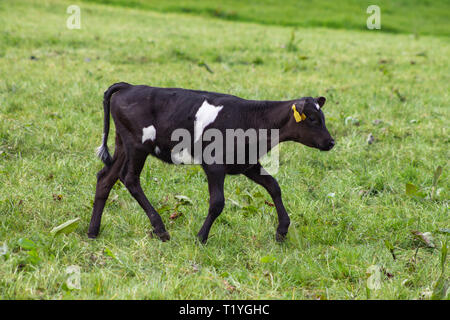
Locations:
(327, 147)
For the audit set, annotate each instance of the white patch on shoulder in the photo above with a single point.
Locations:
(317, 106)
(157, 150)
(205, 115)
(148, 133)
(182, 157)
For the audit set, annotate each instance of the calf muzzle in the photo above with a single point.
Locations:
(328, 145)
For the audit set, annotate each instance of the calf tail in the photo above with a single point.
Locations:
(102, 151)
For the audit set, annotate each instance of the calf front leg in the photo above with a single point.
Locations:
(272, 187)
(216, 177)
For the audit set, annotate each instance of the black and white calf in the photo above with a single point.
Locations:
(147, 117)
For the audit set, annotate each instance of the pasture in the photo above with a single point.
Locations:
(368, 220)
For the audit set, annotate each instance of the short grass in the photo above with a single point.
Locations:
(344, 204)
(397, 16)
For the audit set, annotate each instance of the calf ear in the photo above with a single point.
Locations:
(298, 114)
(321, 101)
(300, 106)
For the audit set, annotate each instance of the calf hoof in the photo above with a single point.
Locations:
(280, 237)
(202, 239)
(163, 236)
(92, 235)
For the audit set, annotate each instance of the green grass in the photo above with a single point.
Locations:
(417, 17)
(51, 122)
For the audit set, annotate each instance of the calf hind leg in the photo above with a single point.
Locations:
(130, 178)
(106, 178)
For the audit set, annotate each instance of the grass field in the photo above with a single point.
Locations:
(399, 16)
(353, 209)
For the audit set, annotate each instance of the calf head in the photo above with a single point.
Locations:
(307, 124)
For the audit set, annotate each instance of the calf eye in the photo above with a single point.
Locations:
(313, 120)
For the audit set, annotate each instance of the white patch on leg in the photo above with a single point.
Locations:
(182, 157)
(157, 150)
(205, 115)
(148, 133)
(317, 106)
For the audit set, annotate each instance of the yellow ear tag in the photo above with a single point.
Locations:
(297, 115)
(303, 116)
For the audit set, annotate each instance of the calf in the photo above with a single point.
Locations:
(147, 118)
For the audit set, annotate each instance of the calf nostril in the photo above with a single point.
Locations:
(331, 144)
